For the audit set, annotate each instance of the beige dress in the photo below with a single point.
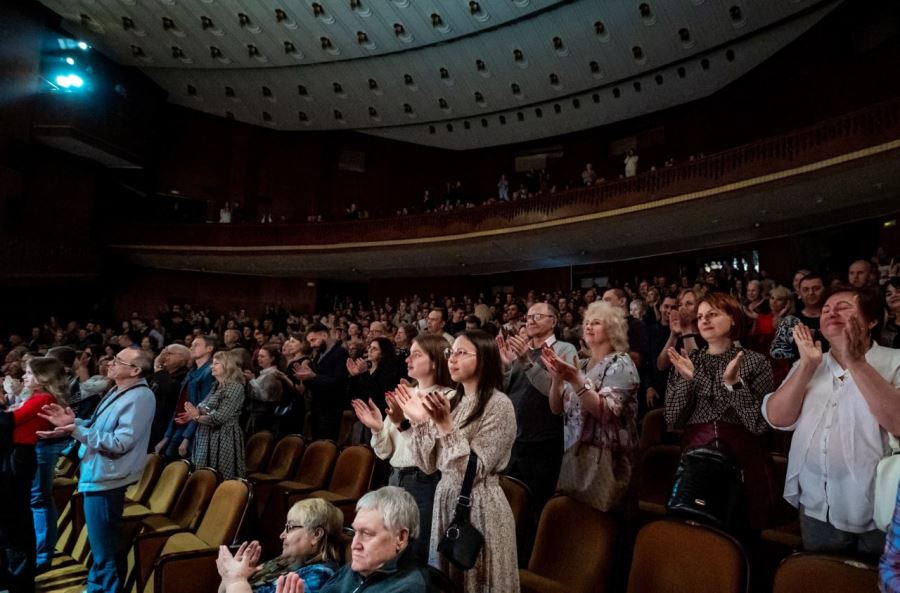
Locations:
(491, 438)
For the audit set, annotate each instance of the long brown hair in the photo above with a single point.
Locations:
(50, 375)
(434, 346)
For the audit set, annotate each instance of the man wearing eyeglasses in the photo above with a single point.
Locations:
(538, 449)
(113, 445)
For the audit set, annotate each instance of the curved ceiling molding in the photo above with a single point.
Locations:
(456, 75)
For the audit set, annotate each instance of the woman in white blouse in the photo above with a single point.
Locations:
(392, 440)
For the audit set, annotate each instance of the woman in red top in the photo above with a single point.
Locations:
(45, 379)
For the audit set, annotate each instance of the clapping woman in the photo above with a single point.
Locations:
(480, 420)
(219, 442)
(716, 395)
(392, 440)
(599, 401)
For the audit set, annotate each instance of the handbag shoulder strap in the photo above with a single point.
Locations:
(464, 502)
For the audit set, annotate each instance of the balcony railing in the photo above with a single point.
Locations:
(838, 136)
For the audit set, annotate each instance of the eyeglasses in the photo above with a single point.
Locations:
(538, 316)
(289, 527)
(116, 360)
(450, 353)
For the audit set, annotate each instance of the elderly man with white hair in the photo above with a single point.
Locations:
(170, 368)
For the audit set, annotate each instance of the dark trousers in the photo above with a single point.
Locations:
(17, 542)
(537, 464)
(422, 487)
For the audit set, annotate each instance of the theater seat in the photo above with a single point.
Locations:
(653, 427)
(313, 473)
(140, 490)
(573, 551)
(824, 574)
(284, 461)
(164, 494)
(685, 557)
(518, 495)
(656, 474)
(184, 562)
(351, 479)
(257, 451)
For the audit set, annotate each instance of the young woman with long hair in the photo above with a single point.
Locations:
(480, 419)
(392, 439)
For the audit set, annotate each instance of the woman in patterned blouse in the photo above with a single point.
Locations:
(599, 401)
(716, 394)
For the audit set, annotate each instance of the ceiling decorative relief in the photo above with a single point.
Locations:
(450, 73)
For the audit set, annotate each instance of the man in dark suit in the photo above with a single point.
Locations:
(326, 378)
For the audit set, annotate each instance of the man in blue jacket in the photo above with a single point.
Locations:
(113, 450)
(195, 387)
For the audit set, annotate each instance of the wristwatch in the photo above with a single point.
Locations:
(588, 385)
(405, 425)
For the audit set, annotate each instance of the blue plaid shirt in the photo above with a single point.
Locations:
(313, 575)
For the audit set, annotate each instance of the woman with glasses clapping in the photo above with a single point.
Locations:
(311, 548)
(479, 420)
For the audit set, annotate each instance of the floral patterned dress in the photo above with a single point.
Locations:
(491, 438)
(600, 452)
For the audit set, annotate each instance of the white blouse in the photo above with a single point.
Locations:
(395, 446)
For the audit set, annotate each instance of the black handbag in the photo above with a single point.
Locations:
(709, 488)
(462, 542)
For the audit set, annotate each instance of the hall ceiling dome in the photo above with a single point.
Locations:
(455, 74)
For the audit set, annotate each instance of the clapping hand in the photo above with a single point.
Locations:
(62, 419)
(732, 372)
(394, 411)
(853, 343)
(507, 356)
(411, 405)
(810, 351)
(290, 583)
(438, 407)
(368, 414)
(241, 566)
(557, 367)
(357, 366)
(519, 347)
(683, 365)
(675, 322)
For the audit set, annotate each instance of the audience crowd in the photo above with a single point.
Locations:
(548, 388)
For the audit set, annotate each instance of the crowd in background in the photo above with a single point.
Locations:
(546, 387)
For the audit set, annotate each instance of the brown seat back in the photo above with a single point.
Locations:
(286, 456)
(195, 496)
(678, 557)
(225, 513)
(582, 561)
(140, 490)
(353, 472)
(257, 450)
(656, 474)
(824, 574)
(653, 428)
(318, 461)
(169, 486)
(518, 495)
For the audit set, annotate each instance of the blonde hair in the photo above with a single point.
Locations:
(614, 323)
(316, 513)
(232, 366)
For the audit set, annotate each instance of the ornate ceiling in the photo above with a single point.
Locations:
(456, 74)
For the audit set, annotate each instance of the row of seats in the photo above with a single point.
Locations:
(175, 518)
